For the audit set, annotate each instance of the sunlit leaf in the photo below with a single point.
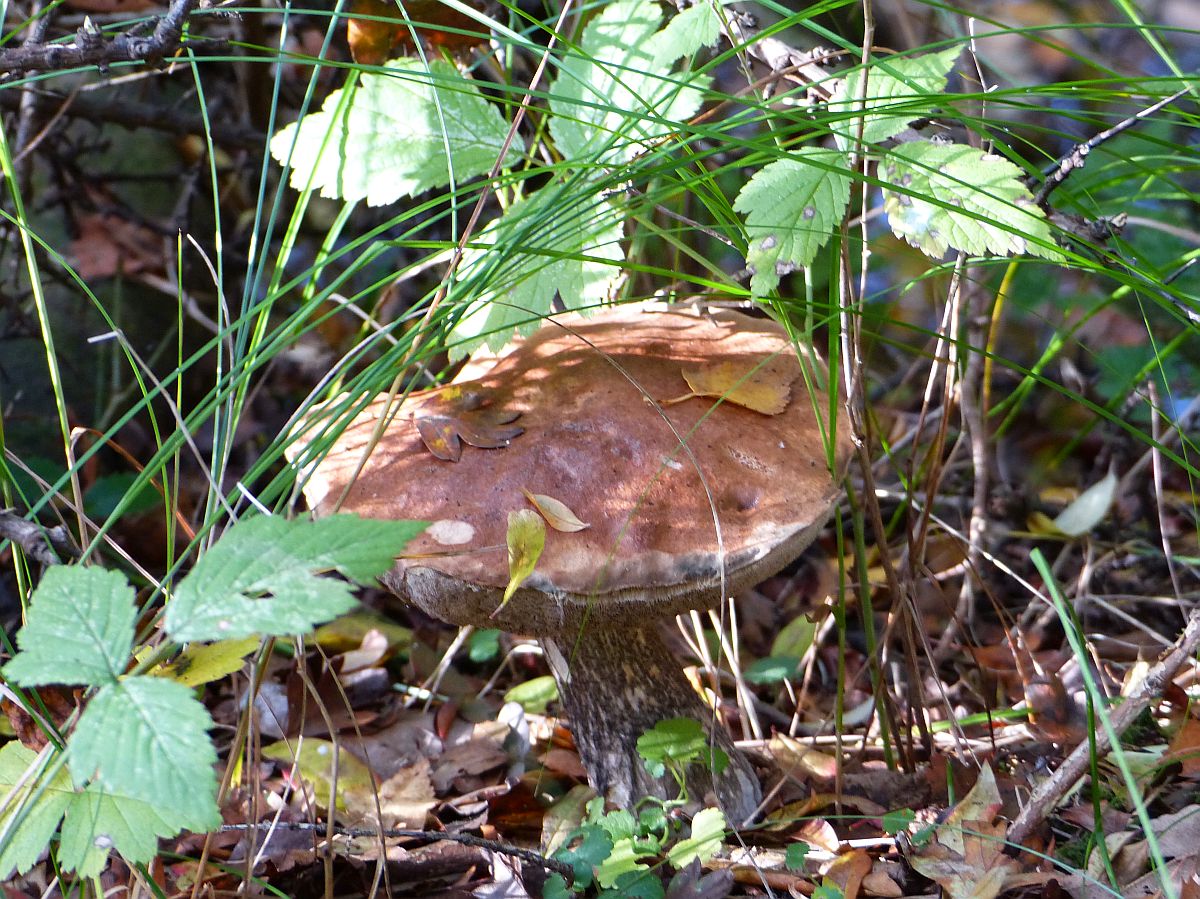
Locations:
(708, 830)
(792, 208)
(394, 133)
(955, 196)
(454, 416)
(765, 387)
(557, 514)
(899, 90)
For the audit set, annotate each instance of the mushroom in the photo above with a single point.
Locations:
(687, 500)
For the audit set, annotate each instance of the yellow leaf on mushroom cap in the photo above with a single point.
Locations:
(526, 540)
(765, 388)
(557, 514)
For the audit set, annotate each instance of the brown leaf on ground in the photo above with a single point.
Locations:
(965, 855)
(766, 388)
(452, 417)
(1185, 748)
(405, 799)
(848, 871)
(109, 245)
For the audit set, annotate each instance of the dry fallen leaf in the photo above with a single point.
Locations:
(452, 417)
(557, 514)
(765, 388)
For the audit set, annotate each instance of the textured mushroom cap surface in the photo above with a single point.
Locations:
(654, 481)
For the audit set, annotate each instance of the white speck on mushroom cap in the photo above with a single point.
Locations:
(598, 439)
(450, 532)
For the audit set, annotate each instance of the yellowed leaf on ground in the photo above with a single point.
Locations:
(557, 514)
(765, 388)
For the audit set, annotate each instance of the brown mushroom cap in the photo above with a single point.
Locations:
(653, 480)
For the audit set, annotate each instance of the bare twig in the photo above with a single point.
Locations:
(36, 541)
(1047, 795)
(1057, 173)
(525, 855)
(90, 48)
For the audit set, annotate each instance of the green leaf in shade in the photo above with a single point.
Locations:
(484, 645)
(895, 821)
(146, 738)
(394, 133)
(97, 820)
(37, 807)
(564, 241)
(771, 670)
(262, 577)
(587, 849)
(617, 92)
(534, 694)
(79, 629)
(708, 830)
(678, 741)
(795, 638)
(792, 208)
(958, 197)
(794, 856)
(899, 90)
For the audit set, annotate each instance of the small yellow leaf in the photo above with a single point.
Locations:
(526, 539)
(203, 663)
(765, 388)
(556, 513)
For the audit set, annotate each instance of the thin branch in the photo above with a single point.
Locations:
(525, 855)
(90, 48)
(1051, 790)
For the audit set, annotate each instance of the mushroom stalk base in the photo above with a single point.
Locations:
(619, 683)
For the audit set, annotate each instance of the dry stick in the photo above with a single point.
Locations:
(89, 48)
(1051, 790)
(1057, 173)
(525, 855)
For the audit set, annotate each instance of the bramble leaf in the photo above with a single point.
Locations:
(899, 90)
(22, 847)
(97, 820)
(394, 133)
(146, 738)
(79, 630)
(617, 92)
(262, 576)
(564, 241)
(792, 208)
(955, 196)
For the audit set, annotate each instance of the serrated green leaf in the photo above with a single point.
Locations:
(79, 630)
(147, 738)
(792, 208)
(617, 92)
(563, 241)
(262, 576)
(959, 197)
(35, 816)
(391, 134)
(899, 90)
(97, 822)
(708, 830)
(690, 31)
(794, 856)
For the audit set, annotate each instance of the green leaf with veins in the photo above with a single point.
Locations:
(689, 31)
(708, 830)
(957, 197)
(899, 90)
(262, 576)
(97, 820)
(79, 629)
(38, 814)
(394, 133)
(146, 738)
(565, 240)
(792, 208)
(617, 92)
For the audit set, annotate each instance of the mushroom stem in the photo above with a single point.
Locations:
(617, 683)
